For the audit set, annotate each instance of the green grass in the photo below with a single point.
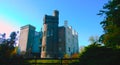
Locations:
(51, 61)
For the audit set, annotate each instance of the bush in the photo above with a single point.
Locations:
(96, 55)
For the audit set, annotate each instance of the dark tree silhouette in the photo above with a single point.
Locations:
(7, 49)
(99, 55)
(111, 24)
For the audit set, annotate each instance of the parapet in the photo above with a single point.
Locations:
(28, 26)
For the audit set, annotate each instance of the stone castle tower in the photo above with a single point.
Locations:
(50, 36)
(26, 38)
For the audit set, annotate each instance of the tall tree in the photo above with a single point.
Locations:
(111, 23)
(94, 40)
(7, 48)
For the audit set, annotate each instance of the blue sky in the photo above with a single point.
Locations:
(80, 14)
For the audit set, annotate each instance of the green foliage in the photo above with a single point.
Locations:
(66, 56)
(94, 39)
(6, 51)
(111, 24)
(75, 55)
(95, 54)
(8, 54)
(7, 46)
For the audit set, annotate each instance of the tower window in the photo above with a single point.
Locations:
(59, 40)
(43, 48)
(51, 32)
(48, 33)
(69, 40)
(44, 33)
(69, 49)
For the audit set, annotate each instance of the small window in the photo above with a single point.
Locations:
(69, 49)
(48, 33)
(59, 40)
(69, 40)
(44, 33)
(51, 33)
(60, 49)
(43, 48)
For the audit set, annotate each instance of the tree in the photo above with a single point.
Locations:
(99, 55)
(66, 56)
(75, 55)
(111, 23)
(8, 50)
(94, 40)
(96, 54)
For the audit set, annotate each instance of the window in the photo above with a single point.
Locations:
(43, 48)
(59, 40)
(51, 32)
(60, 48)
(44, 34)
(69, 40)
(48, 33)
(69, 49)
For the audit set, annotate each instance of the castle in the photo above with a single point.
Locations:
(51, 42)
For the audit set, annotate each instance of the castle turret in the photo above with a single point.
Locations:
(50, 36)
(56, 13)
